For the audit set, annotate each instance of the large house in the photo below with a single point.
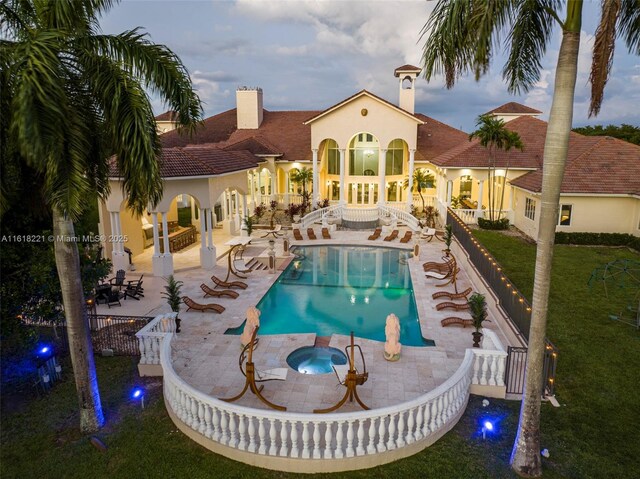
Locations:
(363, 152)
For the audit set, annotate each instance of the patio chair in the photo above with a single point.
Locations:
(218, 293)
(228, 284)
(451, 274)
(349, 377)
(118, 280)
(311, 234)
(134, 292)
(428, 234)
(297, 235)
(191, 304)
(325, 233)
(376, 234)
(407, 237)
(134, 282)
(435, 266)
(392, 236)
(451, 305)
(452, 296)
(113, 297)
(253, 376)
(452, 320)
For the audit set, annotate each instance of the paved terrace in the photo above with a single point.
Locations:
(208, 360)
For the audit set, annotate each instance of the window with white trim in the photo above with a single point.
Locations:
(564, 218)
(530, 208)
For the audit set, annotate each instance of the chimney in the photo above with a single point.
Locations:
(407, 75)
(249, 108)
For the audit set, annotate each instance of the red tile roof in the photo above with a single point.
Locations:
(256, 145)
(435, 138)
(167, 116)
(515, 108)
(406, 68)
(214, 129)
(606, 166)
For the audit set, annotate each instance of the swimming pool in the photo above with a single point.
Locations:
(338, 289)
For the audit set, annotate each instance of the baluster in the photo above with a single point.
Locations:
(202, 424)
(440, 418)
(360, 448)
(195, 420)
(434, 415)
(262, 438)
(273, 449)
(216, 425)
(207, 421)
(476, 369)
(339, 437)
(500, 374)
(485, 367)
(187, 409)
(350, 451)
(410, 424)
(305, 440)
(400, 442)
(148, 349)
(284, 448)
(154, 351)
(143, 355)
(233, 436)
(445, 406)
(381, 432)
(252, 434)
(242, 442)
(224, 439)
(426, 422)
(391, 443)
(294, 439)
(316, 441)
(371, 447)
(327, 442)
(493, 368)
(419, 422)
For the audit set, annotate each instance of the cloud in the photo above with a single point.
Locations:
(217, 76)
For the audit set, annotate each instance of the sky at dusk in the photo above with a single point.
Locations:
(310, 55)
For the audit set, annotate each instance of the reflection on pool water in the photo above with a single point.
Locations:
(312, 360)
(338, 289)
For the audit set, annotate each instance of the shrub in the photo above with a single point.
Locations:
(259, 211)
(602, 239)
(501, 224)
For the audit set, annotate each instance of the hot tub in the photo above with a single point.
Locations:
(313, 360)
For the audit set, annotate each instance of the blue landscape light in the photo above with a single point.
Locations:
(488, 425)
(137, 393)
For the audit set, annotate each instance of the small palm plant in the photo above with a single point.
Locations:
(172, 292)
(448, 238)
(248, 222)
(478, 310)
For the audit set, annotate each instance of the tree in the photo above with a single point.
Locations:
(493, 135)
(421, 181)
(624, 132)
(302, 177)
(71, 98)
(461, 37)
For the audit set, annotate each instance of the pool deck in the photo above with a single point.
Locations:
(208, 360)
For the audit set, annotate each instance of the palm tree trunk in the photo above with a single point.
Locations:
(525, 457)
(84, 370)
(504, 187)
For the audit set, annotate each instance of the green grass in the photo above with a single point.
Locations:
(593, 435)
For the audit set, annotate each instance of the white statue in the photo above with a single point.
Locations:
(253, 321)
(392, 345)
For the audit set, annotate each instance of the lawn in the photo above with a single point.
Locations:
(593, 435)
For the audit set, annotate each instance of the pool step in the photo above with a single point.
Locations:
(255, 265)
(322, 341)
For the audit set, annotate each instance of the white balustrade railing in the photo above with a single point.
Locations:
(150, 337)
(442, 211)
(328, 436)
(410, 220)
(466, 215)
(429, 200)
(314, 216)
(360, 214)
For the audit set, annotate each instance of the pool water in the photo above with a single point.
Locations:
(315, 360)
(338, 289)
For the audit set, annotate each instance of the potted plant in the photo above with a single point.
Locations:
(248, 222)
(172, 292)
(448, 238)
(478, 310)
(273, 206)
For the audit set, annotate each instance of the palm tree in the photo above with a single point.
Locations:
(71, 98)
(421, 181)
(302, 177)
(493, 135)
(461, 36)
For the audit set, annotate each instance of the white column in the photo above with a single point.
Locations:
(209, 213)
(207, 248)
(253, 189)
(162, 263)
(382, 176)
(203, 229)
(287, 188)
(480, 193)
(449, 191)
(260, 185)
(193, 209)
(316, 180)
(274, 193)
(343, 185)
(156, 235)
(412, 157)
(165, 234)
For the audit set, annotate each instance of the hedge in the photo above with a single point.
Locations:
(603, 239)
(501, 224)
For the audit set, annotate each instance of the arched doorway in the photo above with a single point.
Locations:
(363, 170)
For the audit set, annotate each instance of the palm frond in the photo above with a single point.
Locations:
(603, 49)
(529, 35)
(629, 24)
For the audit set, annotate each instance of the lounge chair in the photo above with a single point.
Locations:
(191, 304)
(311, 234)
(134, 292)
(452, 296)
(376, 234)
(451, 305)
(428, 234)
(435, 266)
(407, 237)
(392, 236)
(118, 280)
(450, 274)
(325, 233)
(113, 297)
(218, 293)
(134, 282)
(456, 321)
(297, 235)
(228, 284)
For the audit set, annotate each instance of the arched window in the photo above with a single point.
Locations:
(333, 158)
(395, 158)
(407, 83)
(363, 155)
